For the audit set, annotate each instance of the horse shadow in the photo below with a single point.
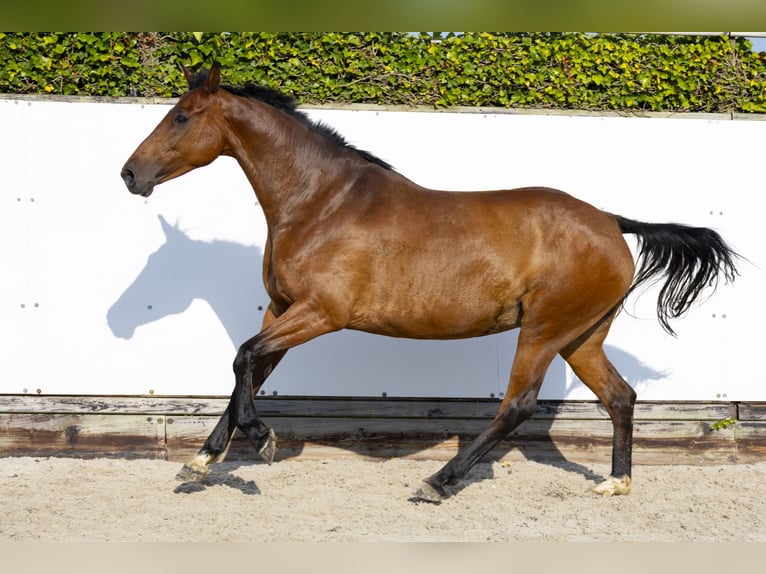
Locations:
(225, 274)
(222, 475)
(228, 276)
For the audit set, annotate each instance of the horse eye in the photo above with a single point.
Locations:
(180, 119)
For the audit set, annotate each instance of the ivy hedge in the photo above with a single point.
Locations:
(519, 70)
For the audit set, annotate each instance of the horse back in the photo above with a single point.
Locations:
(414, 262)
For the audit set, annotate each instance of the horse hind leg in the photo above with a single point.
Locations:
(529, 366)
(591, 365)
(538, 344)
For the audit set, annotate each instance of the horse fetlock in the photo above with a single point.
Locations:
(613, 486)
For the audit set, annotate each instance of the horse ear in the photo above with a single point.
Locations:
(168, 229)
(213, 78)
(187, 74)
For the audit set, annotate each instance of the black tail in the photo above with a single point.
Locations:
(691, 258)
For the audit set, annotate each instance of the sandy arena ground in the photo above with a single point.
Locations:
(65, 499)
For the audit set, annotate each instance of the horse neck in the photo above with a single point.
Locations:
(281, 158)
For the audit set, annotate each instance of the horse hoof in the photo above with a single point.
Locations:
(269, 448)
(190, 473)
(428, 493)
(613, 486)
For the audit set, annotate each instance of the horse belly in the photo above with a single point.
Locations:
(439, 310)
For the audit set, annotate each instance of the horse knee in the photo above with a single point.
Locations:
(243, 360)
(247, 359)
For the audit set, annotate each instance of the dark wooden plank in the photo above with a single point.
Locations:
(681, 442)
(82, 435)
(128, 435)
(64, 404)
(351, 407)
(268, 406)
(751, 440)
(175, 427)
(749, 411)
(344, 429)
(377, 407)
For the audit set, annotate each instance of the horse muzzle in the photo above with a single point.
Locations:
(133, 185)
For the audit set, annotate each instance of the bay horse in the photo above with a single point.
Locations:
(353, 244)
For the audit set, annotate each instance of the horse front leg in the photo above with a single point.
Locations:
(239, 413)
(254, 362)
(245, 390)
(249, 380)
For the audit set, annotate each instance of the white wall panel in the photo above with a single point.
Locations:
(108, 293)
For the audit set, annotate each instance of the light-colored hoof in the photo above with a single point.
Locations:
(427, 493)
(195, 470)
(613, 486)
(269, 448)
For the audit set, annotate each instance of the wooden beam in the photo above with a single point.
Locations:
(361, 407)
(174, 428)
(82, 435)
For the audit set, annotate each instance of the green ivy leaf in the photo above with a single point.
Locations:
(473, 69)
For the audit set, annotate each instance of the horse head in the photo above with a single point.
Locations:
(188, 137)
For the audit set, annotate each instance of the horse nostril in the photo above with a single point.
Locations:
(128, 177)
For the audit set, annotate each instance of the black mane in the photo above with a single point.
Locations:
(289, 106)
